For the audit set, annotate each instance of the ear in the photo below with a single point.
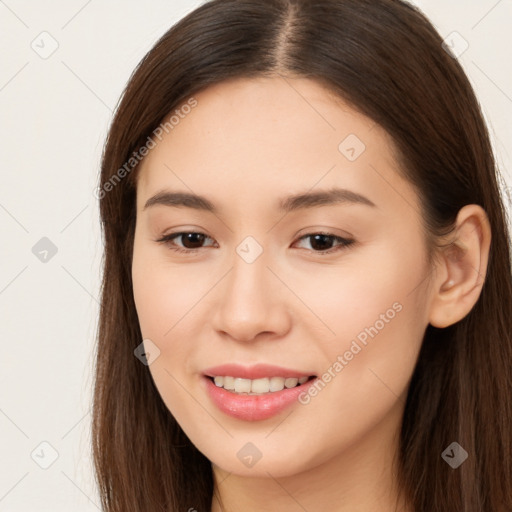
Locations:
(461, 268)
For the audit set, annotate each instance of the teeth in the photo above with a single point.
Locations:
(277, 383)
(257, 386)
(291, 382)
(260, 385)
(229, 383)
(242, 385)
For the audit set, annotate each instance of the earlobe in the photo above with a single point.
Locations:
(462, 268)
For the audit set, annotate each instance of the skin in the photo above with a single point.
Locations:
(247, 144)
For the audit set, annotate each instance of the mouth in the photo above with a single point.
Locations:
(255, 393)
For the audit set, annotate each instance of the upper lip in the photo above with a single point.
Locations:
(257, 371)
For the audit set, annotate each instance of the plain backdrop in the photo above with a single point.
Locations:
(54, 114)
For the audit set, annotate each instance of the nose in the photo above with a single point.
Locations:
(251, 303)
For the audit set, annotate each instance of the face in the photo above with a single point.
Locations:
(270, 270)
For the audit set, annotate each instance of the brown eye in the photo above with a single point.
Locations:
(190, 241)
(321, 242)
(326, 242)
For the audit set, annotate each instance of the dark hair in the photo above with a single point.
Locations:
(386, 60)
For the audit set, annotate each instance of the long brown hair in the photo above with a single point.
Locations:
(385, 59)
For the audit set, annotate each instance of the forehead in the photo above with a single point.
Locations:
(260, 137)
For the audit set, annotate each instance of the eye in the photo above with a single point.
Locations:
(191, 240)
(324, 243)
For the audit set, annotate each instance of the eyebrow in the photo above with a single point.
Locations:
(287, 204)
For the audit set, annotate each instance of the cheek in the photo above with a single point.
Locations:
(379, 319)
(373, 291)
(170, 301)
(373, 311)
(164, 296)
(164, 293)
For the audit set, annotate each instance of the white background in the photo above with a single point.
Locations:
(54, 114)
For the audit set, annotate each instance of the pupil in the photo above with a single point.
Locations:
(193, 238)
(322, 242)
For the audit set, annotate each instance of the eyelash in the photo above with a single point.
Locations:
(168, 240)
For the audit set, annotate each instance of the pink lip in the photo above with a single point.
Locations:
(254, 407)
(257, 371)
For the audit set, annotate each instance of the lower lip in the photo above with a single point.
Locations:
(254, 407)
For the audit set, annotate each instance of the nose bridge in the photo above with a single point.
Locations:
(247, 289)
(249, 273)
(250, 301)
(248, 279)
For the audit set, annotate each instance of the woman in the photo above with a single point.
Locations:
(307, 288)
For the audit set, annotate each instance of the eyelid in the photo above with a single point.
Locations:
(314, 230)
